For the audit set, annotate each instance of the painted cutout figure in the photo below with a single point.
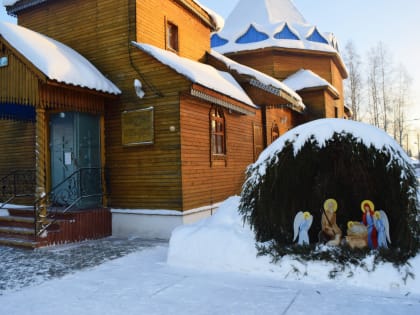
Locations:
(356, 235)
(368, 209)
(380, 220)
(301, 226)
(329, 223)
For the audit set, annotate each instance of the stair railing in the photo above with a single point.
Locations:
(17, 184)
(85, 183)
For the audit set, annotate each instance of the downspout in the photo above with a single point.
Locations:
(132, 23)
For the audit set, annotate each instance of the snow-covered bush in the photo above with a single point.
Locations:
(332, 158)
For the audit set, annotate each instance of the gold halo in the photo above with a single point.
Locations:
(350, 225)
(377, 215)
(306, 215)
(334, 202)
(369, 203)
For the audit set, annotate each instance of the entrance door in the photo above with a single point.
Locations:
(75, 159)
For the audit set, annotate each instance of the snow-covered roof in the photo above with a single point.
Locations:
(217, 19)
(270, 23)
(57, 61)
(199, 73)
(9, 2)
(305, 79)
(261, 77)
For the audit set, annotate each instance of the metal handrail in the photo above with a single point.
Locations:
(66, 195)
(12, 185)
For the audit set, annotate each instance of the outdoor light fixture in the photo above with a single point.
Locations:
(138, 87)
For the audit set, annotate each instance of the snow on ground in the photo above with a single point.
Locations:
(225, 242)
(143, 283)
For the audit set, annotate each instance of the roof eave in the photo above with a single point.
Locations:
(335, 55)
(22, 5)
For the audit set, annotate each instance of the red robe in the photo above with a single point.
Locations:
(372, 232)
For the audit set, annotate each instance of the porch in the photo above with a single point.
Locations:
(73, 213)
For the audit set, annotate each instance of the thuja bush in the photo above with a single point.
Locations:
(343, 168)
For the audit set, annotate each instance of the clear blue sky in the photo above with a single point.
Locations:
(396, 23)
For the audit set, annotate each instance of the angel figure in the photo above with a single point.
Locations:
(380, 220)
(301, 226)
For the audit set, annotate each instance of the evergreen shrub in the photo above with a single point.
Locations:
(343, 168)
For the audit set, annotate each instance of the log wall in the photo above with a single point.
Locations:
(18, 84)
(194, 36)
(205, 183)
(17, 143)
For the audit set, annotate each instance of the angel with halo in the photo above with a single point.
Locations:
(301, 226)
(381, 222)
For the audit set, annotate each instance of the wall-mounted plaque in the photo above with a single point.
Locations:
(137, 127)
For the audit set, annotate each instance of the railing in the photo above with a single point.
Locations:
(83, 188)
(17, 184)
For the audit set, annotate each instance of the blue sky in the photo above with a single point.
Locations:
(366, 22)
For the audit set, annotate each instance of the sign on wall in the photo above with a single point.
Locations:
(137, 127)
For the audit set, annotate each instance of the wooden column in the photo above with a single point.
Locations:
(41, 184)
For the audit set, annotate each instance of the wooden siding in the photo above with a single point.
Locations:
(148, 176)
(203, 183)
(194, 36)
(18, 84)
(282, 117)
(17, 143)
(281, 63)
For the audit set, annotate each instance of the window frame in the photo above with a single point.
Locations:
(172, 36)
(217, 132)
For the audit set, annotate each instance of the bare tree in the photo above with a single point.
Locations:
(354, 83)
(373, 83)
(401, 102)
(380, 86)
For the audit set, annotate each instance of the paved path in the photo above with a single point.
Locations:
(21, 267)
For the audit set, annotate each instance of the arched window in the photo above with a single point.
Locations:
(275, 132)
(217, 133)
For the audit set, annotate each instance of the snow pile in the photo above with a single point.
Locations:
(218, 20)
(220, 242)
(322, 130)
(223, 242)
(198, 72)
(56, 60)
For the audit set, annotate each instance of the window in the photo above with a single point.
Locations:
(172, 37)
(336, 112)
(275, 132)
(217, 133)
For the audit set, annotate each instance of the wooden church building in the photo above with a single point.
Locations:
(132, 117)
